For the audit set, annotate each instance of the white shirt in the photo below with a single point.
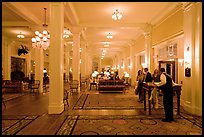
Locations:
(163, 80)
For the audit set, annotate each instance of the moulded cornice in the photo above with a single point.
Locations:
(178, 6)
(23, 11)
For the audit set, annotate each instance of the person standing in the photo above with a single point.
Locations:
(156, 76)
(166, 85)
(148, 76)
(154, 93)
(140, 79)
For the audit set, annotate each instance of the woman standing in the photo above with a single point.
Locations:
(156, 76)
(154, 93)
(140, 79)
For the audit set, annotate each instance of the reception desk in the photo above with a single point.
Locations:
(148, 87)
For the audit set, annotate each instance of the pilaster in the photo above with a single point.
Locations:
(193, 57)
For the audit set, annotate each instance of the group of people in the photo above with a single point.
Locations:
(164, 83)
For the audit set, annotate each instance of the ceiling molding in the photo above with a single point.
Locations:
(124, 25)
(168, 13)
(22, 11)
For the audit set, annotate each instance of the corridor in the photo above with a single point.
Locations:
(93, 113)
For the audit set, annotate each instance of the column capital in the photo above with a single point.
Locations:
(132, 42)
(147, 34)
(147, 28)
(76, 30)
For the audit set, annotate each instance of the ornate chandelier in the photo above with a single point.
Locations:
(41, 40)
(117, 15)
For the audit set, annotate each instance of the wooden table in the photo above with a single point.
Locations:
(149, 86)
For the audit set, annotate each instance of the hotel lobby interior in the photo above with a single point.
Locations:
(71, 68)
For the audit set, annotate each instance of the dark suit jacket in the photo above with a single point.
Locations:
(148, 77)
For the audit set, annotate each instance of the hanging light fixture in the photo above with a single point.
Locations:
(67, 33)
(41, 40)
(106, 45)
(20, 35)
(117, 15)
(109, 36)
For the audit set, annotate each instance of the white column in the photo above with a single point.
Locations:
(148, 52)
(56, 105)
(90, 64)
(76, 54)
(83, 59)
(6, 59)
(99, 65)
(132, 65)
(66, 63)
(39, 66)
(193, 57)
(28, 63)
(120, 70)
(86, 62)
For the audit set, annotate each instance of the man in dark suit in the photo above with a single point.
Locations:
(166, 85)
(148, 75)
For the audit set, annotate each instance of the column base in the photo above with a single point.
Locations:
(55, 109)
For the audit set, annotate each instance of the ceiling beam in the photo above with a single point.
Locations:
(70, 13)
(14, 23)
(22, 11)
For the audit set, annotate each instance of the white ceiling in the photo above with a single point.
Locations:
(94, 17)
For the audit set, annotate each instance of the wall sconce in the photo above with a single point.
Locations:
(118, 67)
(187, 58)
(129, 66)
(180, 61)
(143, 65)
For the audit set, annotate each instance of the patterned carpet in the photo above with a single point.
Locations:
(114, 101)
(126, 125)
(11, 124)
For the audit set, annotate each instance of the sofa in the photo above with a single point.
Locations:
(111, 85)
(15, 85)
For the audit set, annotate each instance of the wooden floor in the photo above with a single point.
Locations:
(31, 111)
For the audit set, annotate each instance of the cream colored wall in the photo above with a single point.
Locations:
(140, 44)
(170, 26)
(106, 62)
(14, 45)
(173, 28)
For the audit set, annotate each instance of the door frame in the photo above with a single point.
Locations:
(173, 67)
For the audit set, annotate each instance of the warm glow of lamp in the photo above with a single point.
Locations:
(143, 65)
(127, 75)
(20, 35)
(106, 45)
(109, 36)
(187, 57)
(94, 75)
(67, 33)
(117, 15)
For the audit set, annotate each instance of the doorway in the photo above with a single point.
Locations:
(169, 67)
